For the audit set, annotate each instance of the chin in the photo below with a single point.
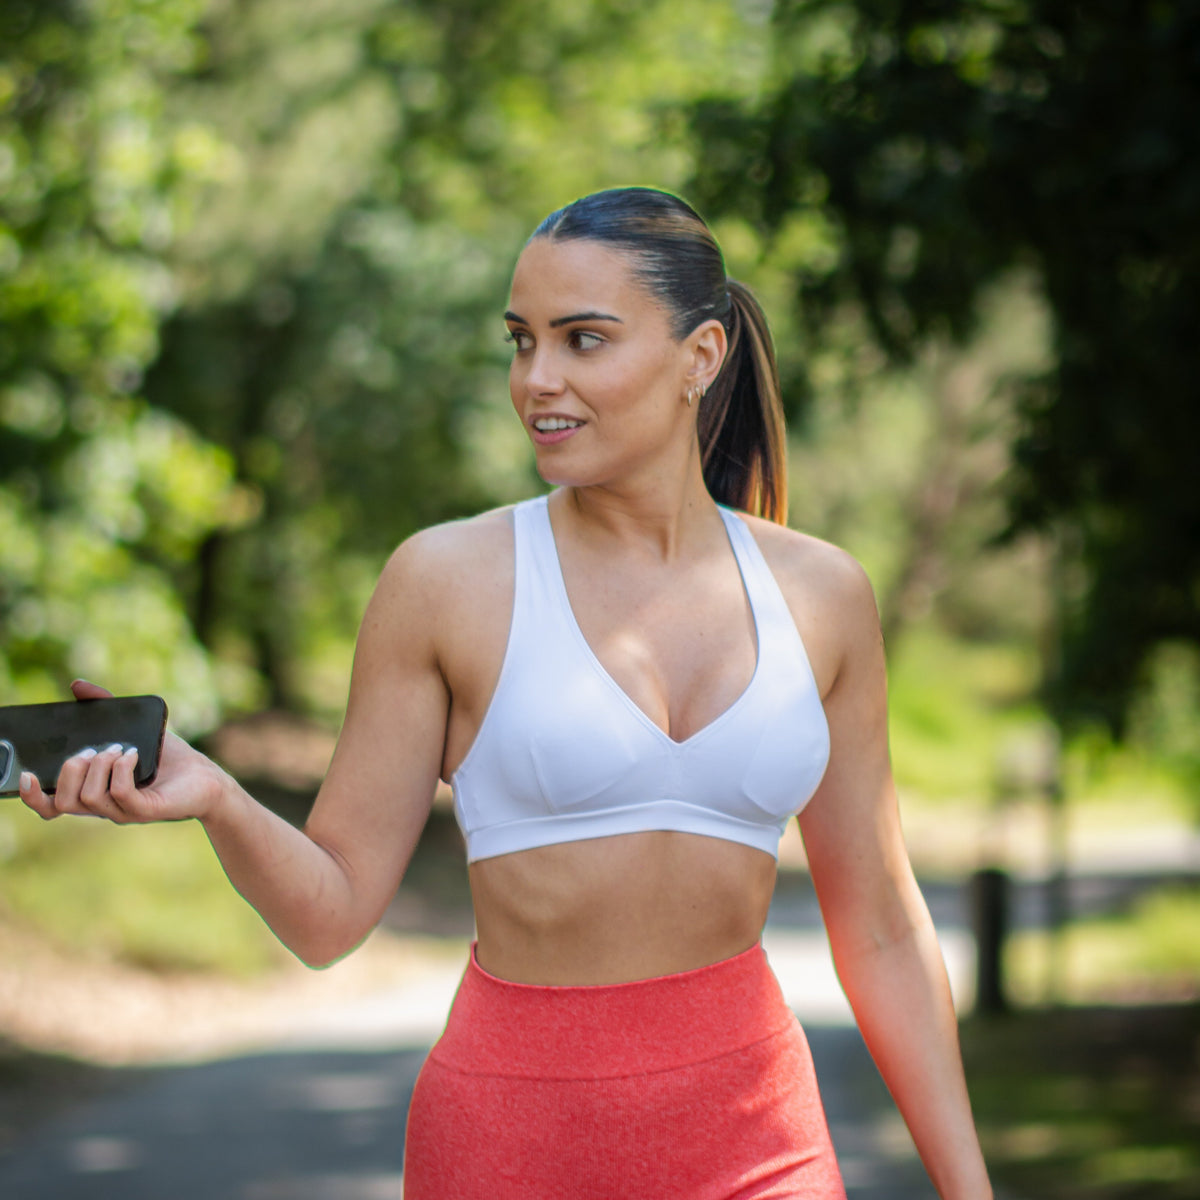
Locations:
(561, 474)
(561, 478)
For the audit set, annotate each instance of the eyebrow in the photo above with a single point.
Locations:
(579, 316)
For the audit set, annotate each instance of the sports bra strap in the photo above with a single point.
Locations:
(772, 616)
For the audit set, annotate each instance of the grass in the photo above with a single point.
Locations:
(1097, 1099)
(1153, 951)
(152, 896)
(1097, 1103)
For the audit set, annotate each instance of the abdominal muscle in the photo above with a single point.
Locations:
(617, 909)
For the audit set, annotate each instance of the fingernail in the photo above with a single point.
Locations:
(26, 784)
(114, 747)
(131, 753)
(90, 752)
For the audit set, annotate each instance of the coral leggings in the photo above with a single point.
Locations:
(696, 1085)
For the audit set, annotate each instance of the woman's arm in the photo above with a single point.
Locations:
(323, 888)
(883, 942)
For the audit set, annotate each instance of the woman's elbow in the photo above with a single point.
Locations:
(323, 937)
(898, 917)
(319, 953)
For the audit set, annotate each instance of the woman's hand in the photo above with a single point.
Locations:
(100, 783)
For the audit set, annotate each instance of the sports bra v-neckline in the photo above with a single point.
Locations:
(573, 621)
(563, 753)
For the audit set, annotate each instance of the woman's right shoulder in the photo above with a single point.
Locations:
(441, 563)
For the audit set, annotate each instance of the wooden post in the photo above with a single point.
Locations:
(989, 915)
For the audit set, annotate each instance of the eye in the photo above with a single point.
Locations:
(519, 338)
(581, 339)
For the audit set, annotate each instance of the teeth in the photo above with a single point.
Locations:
(551, 424)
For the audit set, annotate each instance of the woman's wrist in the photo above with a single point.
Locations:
(220, 797)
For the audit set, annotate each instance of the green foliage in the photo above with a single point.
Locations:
(944, 144)
(104, 501)
(1165, 719)
(954, 706)
(905, 467)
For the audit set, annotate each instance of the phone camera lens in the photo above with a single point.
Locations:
(6, 761)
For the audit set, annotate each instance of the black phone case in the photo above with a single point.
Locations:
(41, 737)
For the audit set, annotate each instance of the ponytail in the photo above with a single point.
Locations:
(742, 442)
(743, 445)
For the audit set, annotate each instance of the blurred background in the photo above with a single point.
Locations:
(253, 256)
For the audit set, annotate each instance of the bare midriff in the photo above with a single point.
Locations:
(617, 909)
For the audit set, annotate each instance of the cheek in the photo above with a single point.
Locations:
(649, 393)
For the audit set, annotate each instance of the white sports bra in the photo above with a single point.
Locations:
(564, 754)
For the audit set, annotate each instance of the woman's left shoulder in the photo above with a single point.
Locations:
(814, 573)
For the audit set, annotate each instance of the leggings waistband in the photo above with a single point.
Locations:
(497, 1027)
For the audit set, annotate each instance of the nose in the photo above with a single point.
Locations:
(542, 376)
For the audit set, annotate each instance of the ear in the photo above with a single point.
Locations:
(705, 348)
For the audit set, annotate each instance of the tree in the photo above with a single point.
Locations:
(102, 501)
(947, 144)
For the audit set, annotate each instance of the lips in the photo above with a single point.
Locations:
(551, 428)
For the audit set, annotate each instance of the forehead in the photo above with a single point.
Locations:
(553, 278)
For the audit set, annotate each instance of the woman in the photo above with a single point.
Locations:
(631, 689)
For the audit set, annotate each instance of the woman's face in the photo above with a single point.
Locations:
(596, 376)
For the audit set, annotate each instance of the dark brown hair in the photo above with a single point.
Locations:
(742, 441)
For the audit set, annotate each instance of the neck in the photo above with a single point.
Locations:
(661, 517)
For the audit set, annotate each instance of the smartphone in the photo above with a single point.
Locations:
(41, 737)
